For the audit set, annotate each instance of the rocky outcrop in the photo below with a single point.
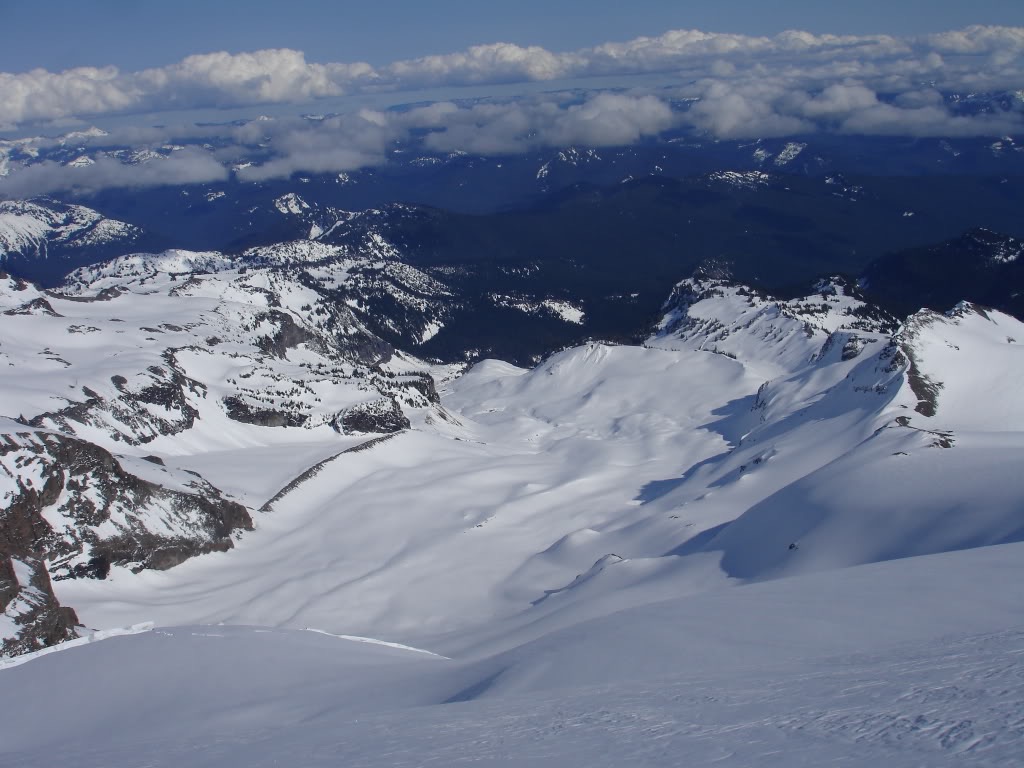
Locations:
(287, 334)
(424, 384)
(30, 616)
(126, 416)
(382, 416)
(73, 504)
(239, 410)
(37, 306)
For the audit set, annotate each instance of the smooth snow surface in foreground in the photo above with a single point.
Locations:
(837, 669)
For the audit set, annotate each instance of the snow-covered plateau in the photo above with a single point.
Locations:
(776, 533)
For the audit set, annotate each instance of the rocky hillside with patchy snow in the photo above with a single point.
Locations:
(146, 358)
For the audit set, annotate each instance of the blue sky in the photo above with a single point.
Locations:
(133, 34)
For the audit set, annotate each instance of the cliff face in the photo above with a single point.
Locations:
(31, 617)
(70, 508)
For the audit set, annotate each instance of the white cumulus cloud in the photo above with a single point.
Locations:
(734, 86)
(971, 58)
(185, 167)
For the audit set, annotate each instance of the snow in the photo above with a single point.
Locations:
(741, 408)
(92, 132)
(18, 231)
(838, 669)
(789, 153)
(591, 454)
(742, 179)
(777, 533)
(203, 339)
(565, 310)
(30, 227)
(291, 204)
(430, 331)
(968, 352)
(139, 156)
(22, 572)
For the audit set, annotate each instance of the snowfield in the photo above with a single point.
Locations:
(777, 533)
(840, 669)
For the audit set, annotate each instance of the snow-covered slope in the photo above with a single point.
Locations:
(186, 351)
(865, 448)
(708, 313)
(836, 669)
(364, 272)
(704, 454)
(509, 523)
(31, 225)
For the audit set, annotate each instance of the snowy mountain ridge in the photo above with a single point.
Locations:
(31, 227)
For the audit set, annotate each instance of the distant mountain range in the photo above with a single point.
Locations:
(582, 262)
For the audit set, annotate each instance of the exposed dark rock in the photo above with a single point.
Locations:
(38, 306)
(424, 384)
(925, 389)
(32, 607)
(30, 603)
(107, 294)
(9, 586)
(152, 552)
(289, 334)
(316, 469)
(238, 410)
(86, 487)
(381, 416)
(853, 347)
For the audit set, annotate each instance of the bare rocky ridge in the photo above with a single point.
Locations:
(77, 506)
(31, 608)
(70, 509)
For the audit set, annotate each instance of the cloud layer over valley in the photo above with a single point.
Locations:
(720, 85)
